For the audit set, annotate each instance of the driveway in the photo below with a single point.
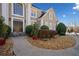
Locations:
(23, 48)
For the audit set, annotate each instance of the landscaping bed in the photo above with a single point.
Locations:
(6, 50)
(56, 43)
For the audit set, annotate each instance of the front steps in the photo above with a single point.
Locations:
(16, 34)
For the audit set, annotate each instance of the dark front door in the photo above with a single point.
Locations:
(17, 26)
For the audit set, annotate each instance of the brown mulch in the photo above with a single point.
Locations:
(6, 50)
(59, 42)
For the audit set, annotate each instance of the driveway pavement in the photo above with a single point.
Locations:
(23, 48)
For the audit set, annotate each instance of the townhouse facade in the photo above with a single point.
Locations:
(19, 15)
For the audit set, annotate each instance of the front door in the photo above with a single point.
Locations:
(17, 26)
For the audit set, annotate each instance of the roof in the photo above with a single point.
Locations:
(41, 14)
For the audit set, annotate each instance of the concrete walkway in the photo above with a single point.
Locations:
(24, 48)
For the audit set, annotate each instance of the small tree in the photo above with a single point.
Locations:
(61, 29)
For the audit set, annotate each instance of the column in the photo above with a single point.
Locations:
(5, 13)
(28, 14)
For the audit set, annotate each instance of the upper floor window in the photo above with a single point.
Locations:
(34, 12)
(18, 9)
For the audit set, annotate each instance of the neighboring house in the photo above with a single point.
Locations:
(19, 15)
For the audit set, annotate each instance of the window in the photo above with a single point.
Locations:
(18, 9)
(33, 14)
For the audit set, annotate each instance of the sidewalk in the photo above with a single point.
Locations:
(24, 48)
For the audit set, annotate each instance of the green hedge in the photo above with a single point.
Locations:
(29, 29)
(61, 29)
(44, 27)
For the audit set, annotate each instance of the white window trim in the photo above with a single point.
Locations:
(17, 14)
(21, 19)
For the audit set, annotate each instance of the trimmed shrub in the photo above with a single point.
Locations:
(34, 33)
(32, 30)
(29, 29)
(53, 33)
(61, 29)
(44, 27)
(43, 33)
(35, 30)
(5, 30)
(9, 30)
(46, 33)
(1, 26)
(1, 20)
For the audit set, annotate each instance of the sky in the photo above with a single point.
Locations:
(68, 13)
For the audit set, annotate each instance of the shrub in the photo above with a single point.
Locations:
(61, 29)
(53, 33)
(5, 30)
(44, 27)
(29, 29)
(34, 33)
(35, 30)
(46, 33)
(1, 26)
(1, 20)
(9, 30)
(43, 33)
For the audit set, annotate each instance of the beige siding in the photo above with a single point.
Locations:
(36, 11)
(49, 19)
(39, 13)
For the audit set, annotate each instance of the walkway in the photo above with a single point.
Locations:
(24, 48)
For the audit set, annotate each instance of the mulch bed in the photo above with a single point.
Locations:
(57, 43)
(6, 50)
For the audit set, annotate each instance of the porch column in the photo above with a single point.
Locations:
(12, 24)
(28, 14)
(5, 12)
(23, 26)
